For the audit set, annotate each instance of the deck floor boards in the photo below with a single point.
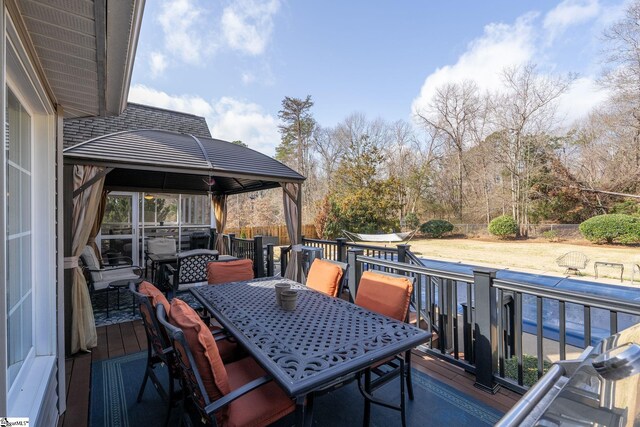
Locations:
(129, 337)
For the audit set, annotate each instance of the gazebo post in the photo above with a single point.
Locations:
(299, 236)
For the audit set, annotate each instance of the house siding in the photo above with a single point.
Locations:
(35, 391)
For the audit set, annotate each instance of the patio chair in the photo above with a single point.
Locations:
(190, 270)
(237, 393)
(160, 245)
(573, 262)
(159, 349)
(387, 294)
(232, 270)
(99, 278)
(327, 276)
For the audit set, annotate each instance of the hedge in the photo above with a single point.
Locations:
(612, 228)
(436, 228)
(503, 226)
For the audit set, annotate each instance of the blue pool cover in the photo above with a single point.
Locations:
(600, 322)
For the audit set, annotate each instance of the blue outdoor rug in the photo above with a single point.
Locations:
(123, 312)
(115, 384)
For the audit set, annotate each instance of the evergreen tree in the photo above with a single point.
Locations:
(296, 129)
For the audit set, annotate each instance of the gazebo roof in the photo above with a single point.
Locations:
(165, 161)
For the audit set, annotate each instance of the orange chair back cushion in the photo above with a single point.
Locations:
(203, 347)
(155, 295)
(324, 276)
(384, 294)
(229, 271)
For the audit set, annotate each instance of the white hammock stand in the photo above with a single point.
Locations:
(390, 237)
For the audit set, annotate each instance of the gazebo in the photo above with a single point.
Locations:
(158, 161)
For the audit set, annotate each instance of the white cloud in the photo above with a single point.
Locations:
(582, 97)
(569, 13)
(529, 39)
(247, 24)
(186, 103)
(229, 119)
(500, 46)
(237, 120)
(157, 63)
(194, 30)
(184, 26)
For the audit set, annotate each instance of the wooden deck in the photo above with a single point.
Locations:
(126, 338)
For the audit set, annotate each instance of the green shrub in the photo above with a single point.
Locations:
(551, 235)
(529, 369)
(612, 228)
(436, 228)
(503, 226)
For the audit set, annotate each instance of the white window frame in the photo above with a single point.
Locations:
(31, 390)
(27, 364)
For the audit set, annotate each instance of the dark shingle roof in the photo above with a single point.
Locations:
(134, 117)
(154, 160)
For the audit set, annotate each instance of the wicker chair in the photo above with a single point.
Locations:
(573, 262)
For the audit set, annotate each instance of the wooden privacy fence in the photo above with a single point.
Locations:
(279, 231)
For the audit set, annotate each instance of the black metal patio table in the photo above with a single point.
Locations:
(323, 343)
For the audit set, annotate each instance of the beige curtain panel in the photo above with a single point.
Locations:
(102, 207)
(85, 211)
(292, 197)
(219, 203)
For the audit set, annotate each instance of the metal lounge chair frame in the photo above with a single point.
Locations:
(573, 262)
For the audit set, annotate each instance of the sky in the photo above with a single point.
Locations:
(233, 61)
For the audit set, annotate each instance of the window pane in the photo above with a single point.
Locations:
(19, 239)
(160, 210)
(117, 217)
(13, 200)
(13, 268)
(196, 210)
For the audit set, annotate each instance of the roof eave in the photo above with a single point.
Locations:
(120, 52)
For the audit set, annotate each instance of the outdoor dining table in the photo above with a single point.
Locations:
(320, 345)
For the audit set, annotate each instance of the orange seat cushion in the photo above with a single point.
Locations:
(260, 407)
(229, 271)
(384, 294)
(229, 351)
(324, 276)
(155, 295)
(203, 347)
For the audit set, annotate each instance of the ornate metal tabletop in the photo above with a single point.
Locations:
(308, 349)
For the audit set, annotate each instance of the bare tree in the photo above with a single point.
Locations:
(451, 114)
(329, 149)
(525, 115)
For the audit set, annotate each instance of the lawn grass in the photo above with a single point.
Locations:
(531, 255)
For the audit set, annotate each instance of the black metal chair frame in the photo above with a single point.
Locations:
(191, 379)
(191, 268)
(159, 352)
(343, 285)
(399, 365)
(86, 271)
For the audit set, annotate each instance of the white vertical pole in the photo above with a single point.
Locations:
(142, 223)
(179, 217)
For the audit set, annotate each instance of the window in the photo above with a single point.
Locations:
(19, 236)
(196, 210)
